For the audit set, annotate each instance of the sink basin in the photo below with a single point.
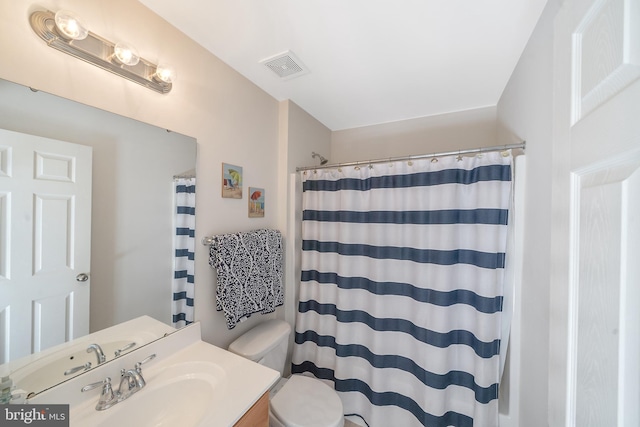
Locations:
(176, 395)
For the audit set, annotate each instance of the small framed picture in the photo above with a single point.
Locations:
(231, 181)
(256, 202)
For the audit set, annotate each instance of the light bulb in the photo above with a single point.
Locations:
(126, 54)
(70, 26)
(165, 73)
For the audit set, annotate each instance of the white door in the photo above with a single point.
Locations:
(45, 242)
(598, 80)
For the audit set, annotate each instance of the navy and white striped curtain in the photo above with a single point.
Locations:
(184, 246)
(402, 288)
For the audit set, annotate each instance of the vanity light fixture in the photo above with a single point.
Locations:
(165, 73)
(66, 32)
(125, 54)
(70, 26)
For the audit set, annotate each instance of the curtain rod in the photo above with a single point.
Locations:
(422, 156)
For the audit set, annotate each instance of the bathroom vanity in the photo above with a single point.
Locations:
(188, 383)
(258, 415)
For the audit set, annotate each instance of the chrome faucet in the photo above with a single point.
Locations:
(131, 382)
(99, 353)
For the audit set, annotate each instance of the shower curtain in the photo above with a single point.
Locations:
(184, 248)
(401, 291)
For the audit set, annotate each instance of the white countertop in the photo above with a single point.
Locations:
(238, 382)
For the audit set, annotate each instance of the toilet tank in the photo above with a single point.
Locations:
(266, 344)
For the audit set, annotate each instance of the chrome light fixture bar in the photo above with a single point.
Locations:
(121, 59)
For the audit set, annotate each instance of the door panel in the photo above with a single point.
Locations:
(605, 358)
(53, 225)
(52, 320)
(606, 52)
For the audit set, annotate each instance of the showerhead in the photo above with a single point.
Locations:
(322, 159)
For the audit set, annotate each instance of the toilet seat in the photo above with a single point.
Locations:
(307, 402)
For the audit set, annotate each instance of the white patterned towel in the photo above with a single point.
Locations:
(249, 266)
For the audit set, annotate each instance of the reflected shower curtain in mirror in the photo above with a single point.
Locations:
(402, 287)
(184, 247)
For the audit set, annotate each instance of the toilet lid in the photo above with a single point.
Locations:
(307, 402)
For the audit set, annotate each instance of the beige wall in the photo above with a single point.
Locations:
(300, 135)
(232, 120)
(445, 132)
(526, 109)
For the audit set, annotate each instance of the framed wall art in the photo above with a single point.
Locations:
(231, 181)
(256, 202)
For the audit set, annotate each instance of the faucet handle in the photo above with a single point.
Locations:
(119, 351)
(107, 397)
(106, 383)
(75, 369)
(138, 365)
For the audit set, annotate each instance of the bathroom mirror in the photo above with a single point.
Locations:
(131, 210)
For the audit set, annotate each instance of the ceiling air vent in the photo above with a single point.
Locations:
(286, 65)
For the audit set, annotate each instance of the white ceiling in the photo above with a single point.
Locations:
(369, 61)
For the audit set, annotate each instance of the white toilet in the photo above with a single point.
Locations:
(298, 401)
